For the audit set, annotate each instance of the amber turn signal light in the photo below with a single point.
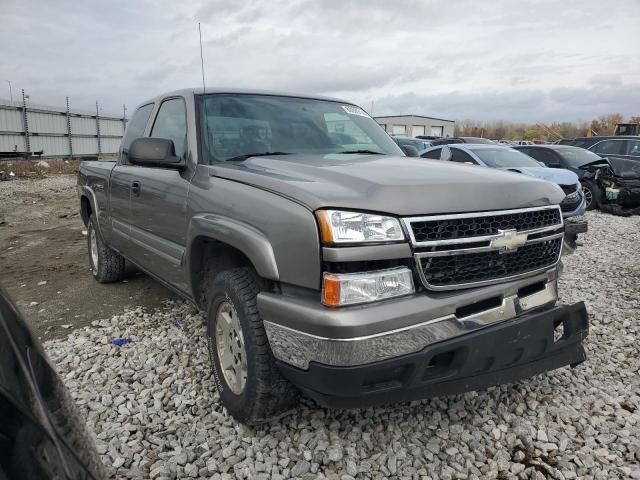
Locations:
(331, 290)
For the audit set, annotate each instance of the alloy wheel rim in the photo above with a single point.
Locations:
(588, 196)
(94, 251)
(230, 347)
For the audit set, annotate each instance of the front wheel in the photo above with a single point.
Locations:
(246, 376)
(591, 195)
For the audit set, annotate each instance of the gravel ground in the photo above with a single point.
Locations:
(153, 406)
(39, 186)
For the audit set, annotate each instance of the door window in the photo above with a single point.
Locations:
(544, 156)
(461, 157)
(609, 147)
(633, 148)
(435, 153)
(171, 123)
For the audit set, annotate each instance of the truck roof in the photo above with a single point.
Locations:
(240, 91)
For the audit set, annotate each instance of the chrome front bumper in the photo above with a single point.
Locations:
(299, 348)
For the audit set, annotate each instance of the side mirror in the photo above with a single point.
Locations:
(154, 152)
(409, 150)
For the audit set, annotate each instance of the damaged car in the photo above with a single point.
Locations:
(617, 184)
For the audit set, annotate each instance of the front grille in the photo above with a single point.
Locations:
(428, 230)
(456, 270)
(464, 250)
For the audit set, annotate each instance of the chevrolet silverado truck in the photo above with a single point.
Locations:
(327, 261)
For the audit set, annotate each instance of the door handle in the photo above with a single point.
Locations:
(135, 188)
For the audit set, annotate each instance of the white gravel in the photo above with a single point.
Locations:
(153, 406)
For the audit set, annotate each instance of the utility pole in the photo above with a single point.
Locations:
(10, 91)
(371, 111)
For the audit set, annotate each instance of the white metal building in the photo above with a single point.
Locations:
(58, 131)
(415, 125)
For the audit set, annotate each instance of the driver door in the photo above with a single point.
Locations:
(158, 201)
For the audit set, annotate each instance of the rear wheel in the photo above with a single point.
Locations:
(105, 264)
(247, 378)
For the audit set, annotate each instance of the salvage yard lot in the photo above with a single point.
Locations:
(43, 259)
(155, 411)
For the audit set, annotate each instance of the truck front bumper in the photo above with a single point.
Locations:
(423, 345)
(503, 353)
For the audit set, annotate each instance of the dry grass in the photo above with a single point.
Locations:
(32, 169)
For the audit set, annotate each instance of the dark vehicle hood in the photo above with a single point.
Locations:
(620, 167)
(397, 185)
(31, 394)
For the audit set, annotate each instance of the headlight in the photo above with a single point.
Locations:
(352, 288)
(337, 226)
(579, 187)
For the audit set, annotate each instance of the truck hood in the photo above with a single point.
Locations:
(558, 176)
(397, 185)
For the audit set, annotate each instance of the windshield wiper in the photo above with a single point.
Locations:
(260, 154)
(367, 152)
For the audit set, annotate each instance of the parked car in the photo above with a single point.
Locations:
(335, 270)
(504, 158)
(618, 184)
(419, 144)
(41, 433)
(624, 146)
(571, 158)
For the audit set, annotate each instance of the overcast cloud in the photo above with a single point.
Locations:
(532, 60)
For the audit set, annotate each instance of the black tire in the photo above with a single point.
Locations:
(111, 264)
(596, 195)
(266, 394)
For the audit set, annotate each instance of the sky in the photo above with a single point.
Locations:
(525, 60)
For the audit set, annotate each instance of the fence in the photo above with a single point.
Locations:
(28, 130)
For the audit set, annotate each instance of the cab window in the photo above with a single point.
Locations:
(609, 147)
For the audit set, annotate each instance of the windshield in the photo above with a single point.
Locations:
(502, 157)
(236, 125)
(576, 157)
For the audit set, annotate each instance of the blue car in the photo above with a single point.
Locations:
(504, 158)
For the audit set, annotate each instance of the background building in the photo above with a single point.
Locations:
(414, 125)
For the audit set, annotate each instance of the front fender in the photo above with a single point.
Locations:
(247, 239)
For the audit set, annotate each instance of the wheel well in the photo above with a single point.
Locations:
(209, 257)
(85, 209)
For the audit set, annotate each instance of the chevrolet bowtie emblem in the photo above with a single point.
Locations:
(509, 240)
